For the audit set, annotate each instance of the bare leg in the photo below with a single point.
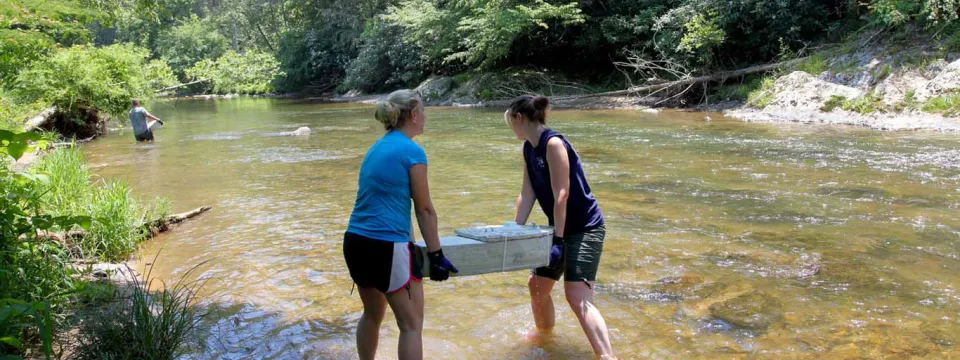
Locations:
(407, 305)
(580, 298)
(541, 302)
(368, 332)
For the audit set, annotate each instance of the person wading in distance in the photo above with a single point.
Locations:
(138, 120)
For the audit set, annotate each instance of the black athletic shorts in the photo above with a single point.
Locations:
(147, 136)
(581, 257)
(384, 265)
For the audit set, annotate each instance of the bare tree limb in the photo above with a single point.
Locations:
(153, 228)
(182, 85)
(696, 80)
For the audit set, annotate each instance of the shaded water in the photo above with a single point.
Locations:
(846, 240)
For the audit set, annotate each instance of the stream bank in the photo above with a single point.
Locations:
(900, 84)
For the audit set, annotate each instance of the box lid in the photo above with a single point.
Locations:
(509, 231)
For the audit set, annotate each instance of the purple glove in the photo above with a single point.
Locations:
(556, 253)
(440, 267)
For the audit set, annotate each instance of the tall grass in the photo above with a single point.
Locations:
(148, 325)
(73, 190)
(814, 65)
(761, 96)
(948, 105)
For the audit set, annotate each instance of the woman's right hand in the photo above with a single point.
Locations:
(440, 266)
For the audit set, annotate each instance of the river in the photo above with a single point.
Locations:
(825, 242)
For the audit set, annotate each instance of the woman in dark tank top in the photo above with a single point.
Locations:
(553, 176)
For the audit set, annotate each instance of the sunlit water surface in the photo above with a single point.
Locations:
(844, 241)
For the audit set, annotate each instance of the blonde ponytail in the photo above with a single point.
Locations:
(394, 110)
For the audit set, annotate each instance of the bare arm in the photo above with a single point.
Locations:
(151, 117)
(525, 200)
(560, 182)
(423, 206)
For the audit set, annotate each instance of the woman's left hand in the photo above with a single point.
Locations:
(556, 253)
(440, 266)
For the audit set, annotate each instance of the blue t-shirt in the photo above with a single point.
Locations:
(138, 119)
(583, 213)
(382, 210)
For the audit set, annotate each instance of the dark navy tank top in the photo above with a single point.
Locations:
(583, 213)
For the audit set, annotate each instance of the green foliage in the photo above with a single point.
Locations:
(702, 34)
(152, 325)
(13, 114)
(70, 192)
(476, 34)
(883, 72)
(489, 31)
(895, 12)
(63, 21)
(250, 73)
(30, 30)
(909, 102)
(19, 48)
(16, 316)
(834, 102)
(190, 42)
(34, 277)
(738, 92)
(82, 77)
(864, 104)
(901, 12)
(762, 95)
(429, 28)
(385, 62)
(951, 38)
(314, 56)
(37, 281)
(948, 105)
(815, 65)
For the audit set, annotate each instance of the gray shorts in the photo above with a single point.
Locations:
(581, 257)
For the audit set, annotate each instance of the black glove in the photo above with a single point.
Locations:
(440, 267)
(556, 253)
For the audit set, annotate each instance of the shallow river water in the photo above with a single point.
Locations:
(724, 239)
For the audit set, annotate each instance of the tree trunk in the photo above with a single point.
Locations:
(265, 40)
(700, 79)
(153, 228)
(182, 85)
(41, 119)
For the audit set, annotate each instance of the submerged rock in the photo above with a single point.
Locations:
(665, 290)
(754, 310)
(300, 131)
(942, 332)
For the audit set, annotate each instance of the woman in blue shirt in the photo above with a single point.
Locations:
(553, 176)
(378, 245)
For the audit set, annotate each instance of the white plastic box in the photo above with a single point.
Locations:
(497, 248)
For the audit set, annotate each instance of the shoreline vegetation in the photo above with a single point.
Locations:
(886, 64)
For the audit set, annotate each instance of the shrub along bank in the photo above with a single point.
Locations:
(40, 285)
(48, 57)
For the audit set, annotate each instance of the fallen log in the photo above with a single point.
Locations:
(694, 80)
(40, 120)
(156, 227)
(153, 228)
(182, 85)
